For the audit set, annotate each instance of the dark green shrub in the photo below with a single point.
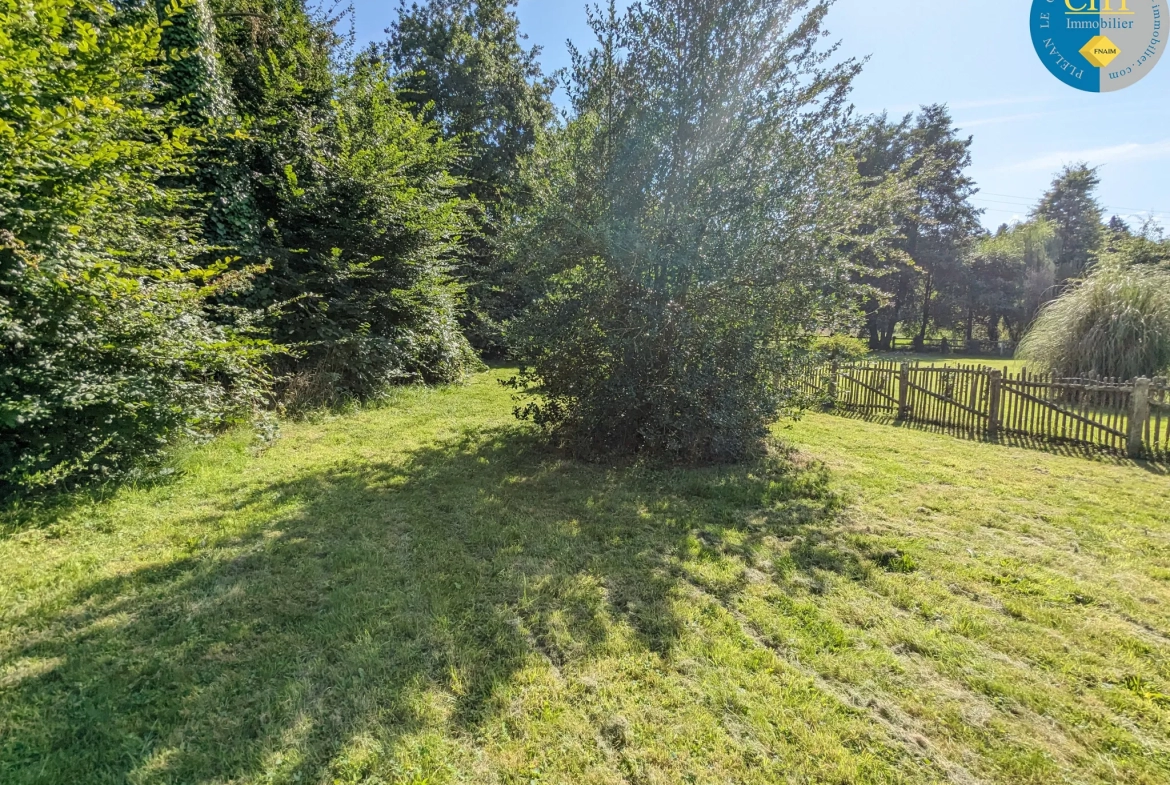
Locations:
(689, 223)
(363, 222)
(369, 226)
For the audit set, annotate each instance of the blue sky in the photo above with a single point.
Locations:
(977, 57)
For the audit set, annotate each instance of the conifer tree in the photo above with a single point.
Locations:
(1072, 208)
(464, 63)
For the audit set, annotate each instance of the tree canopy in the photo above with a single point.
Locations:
(1070, 205)
(689, 223)
(465, 65)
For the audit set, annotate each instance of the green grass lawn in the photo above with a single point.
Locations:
(422, 593)
(1009, 364)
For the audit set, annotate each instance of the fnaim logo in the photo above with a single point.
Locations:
(1099, 45)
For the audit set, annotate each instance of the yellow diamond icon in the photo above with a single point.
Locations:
(1100, 51)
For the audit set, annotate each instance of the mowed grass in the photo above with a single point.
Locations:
(1006, 364)
(423, 593)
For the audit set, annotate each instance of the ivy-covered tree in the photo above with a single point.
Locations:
(194, 85)
(107, 354)
(464, 63)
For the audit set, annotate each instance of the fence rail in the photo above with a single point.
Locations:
(1129, 417)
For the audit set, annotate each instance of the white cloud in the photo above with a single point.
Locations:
(1118, 154)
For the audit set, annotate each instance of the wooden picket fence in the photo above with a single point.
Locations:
(1128, 417)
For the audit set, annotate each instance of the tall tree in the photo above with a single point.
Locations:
(1008, 277)
(690, 223)
(926, 152)
(1071, 206)
(947, 221)
(360, 217)
(464, 63)
(883, 150)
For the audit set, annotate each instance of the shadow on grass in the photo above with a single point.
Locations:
(376, 602)
(1062, 447)
(41, 509)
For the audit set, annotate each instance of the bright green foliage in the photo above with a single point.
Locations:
(275, 55)
(463, 62)
(690, 219)
(1115, 322)
(1071, 206)
(107, 354)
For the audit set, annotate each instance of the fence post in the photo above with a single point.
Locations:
(993, 398)
(1139, 414)
(903, 390)
(833, 369)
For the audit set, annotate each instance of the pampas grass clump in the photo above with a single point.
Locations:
(1115, 322)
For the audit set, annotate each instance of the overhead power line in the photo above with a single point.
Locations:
(1027, 202)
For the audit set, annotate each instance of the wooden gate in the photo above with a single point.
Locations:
(871, 388)
(1086, 411)
(955, 397)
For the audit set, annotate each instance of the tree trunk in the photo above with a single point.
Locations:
(927, 293)
(871, 326)
(894, 311)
